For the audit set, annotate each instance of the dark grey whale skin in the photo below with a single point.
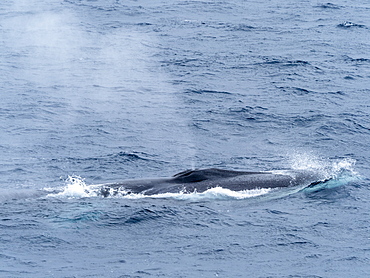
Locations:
(201, 180)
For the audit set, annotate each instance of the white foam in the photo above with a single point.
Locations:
(216, 193)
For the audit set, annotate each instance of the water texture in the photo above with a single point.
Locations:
(98, 91)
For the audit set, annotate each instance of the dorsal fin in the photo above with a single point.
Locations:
(190, 176)
(207, 174)
(184, 173)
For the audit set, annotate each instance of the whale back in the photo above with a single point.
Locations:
(201, 180)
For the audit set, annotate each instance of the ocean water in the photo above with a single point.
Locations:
(98, 91)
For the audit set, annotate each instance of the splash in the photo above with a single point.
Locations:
(334, 172)
(75, 188)
(327, 168)
(346, 164)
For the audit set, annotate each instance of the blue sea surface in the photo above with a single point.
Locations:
(99, 91)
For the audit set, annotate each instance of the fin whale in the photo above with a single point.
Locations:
(201, 180)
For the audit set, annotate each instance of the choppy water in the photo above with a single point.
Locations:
(97, 91)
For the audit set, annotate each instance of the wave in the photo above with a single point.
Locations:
(344, 178)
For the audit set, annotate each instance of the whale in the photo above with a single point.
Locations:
(201, 180)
